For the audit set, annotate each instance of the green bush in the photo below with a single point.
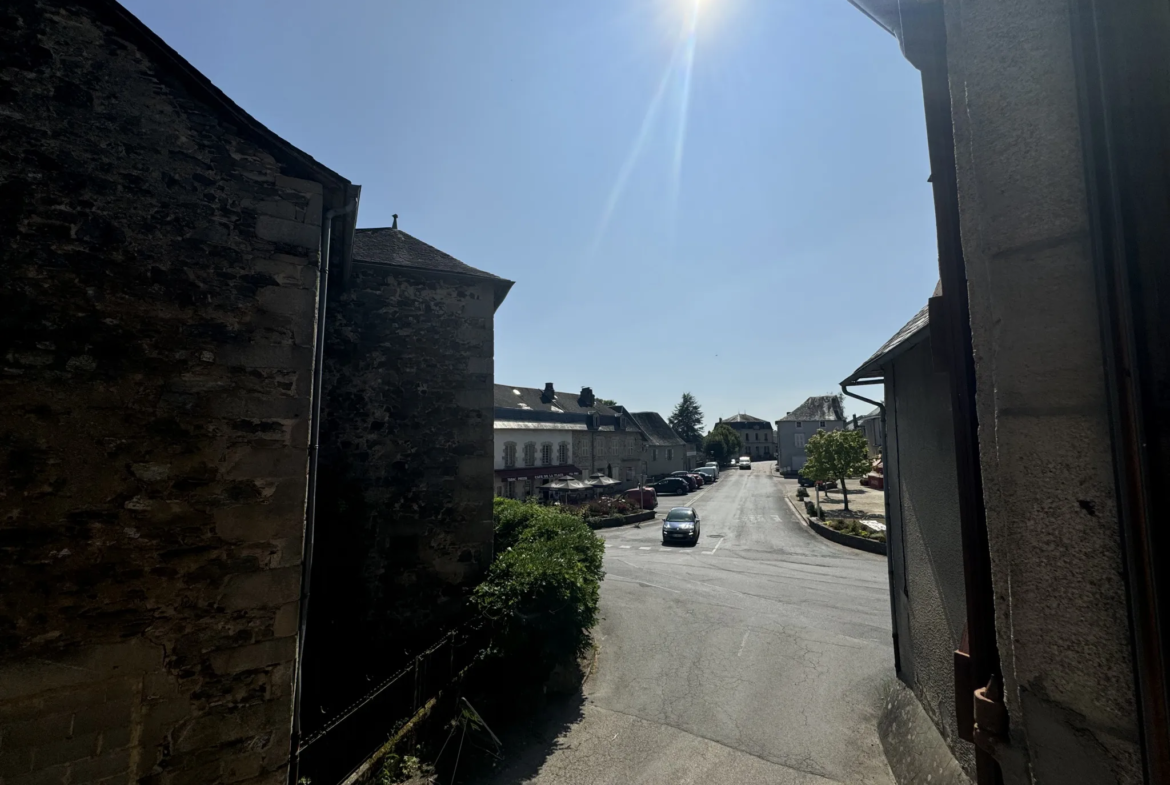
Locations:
(541, 593)
(810, 509)
(802, 492)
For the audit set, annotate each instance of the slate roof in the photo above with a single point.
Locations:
(818, 407)
(528, 398)
(911, 333)
(658, 432)
(394, 247)
(743, 418)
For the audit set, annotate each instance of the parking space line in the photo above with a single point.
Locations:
(644, 547)
(624, 546)
(712, 551)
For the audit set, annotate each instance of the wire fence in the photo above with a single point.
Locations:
(334, 748)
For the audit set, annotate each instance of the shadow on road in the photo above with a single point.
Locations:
(527, 744)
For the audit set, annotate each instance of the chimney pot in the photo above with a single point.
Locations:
(395, 226)
(548, 394)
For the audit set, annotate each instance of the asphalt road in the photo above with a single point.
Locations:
(761, 655)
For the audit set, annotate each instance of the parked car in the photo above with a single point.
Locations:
(745, 463)
(646, 498)
(688, 478)
(712, 465)
(708, 473)
(681, 523)
(677, 485)
(825, 485)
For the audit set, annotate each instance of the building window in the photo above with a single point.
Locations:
(670, 453)
(509, 454)
(822, 423)
(654, 454)
(530, 453)
(629, 473)
(799, 424)
(563, 453)
(546, 454)
(800, 440)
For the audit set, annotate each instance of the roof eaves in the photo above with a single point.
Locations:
(127, 23)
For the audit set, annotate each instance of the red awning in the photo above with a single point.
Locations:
(537, 472)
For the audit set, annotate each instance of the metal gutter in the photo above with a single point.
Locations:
(314, 451)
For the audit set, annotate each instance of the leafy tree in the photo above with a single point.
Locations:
(687, 419)
(722, 443)
(836, 455)
(607, 402)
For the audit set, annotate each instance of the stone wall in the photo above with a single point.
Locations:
(404, 526)
(157, 311)
(1061, 610)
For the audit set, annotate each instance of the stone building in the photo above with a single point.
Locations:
(664, 450)
(604, 441)
(405, 487)
(871, 425)
(159, 284)
(1046, 125)
(820, 412)
(759, 440)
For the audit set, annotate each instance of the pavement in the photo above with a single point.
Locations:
(760, 655)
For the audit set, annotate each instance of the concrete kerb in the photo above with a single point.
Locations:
(848, 540)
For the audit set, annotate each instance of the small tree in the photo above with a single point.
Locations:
(687, 419)
(610, 402)
(722, 443)
(835, 456)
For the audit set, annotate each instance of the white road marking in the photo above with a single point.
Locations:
(743, 642)
(624, 546)
(640, 583)
(712, 552)
(644, 548)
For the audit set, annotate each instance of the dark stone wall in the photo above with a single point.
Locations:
(157, 308)
(405, 519)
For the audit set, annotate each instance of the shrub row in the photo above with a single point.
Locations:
(541, 593)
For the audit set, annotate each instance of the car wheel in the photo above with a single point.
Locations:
(664, 541)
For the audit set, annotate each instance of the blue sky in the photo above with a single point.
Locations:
(732, 203)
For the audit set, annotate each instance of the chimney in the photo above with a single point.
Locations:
(395, 226)
(549, 393)
(586, 400)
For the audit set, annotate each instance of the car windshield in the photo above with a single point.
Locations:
(681, 514)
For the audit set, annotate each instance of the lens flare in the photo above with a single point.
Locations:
(678, 72)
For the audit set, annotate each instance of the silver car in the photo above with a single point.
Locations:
(681, 523)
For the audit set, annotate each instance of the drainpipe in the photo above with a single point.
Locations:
(889, 562)
(314, 450)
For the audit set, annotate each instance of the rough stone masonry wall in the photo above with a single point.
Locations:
(405, 518)
(1061, 611)
(157, 307)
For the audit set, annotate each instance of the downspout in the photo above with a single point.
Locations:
(889, 562)
(311, 502)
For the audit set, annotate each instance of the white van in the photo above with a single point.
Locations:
(745, 463)
(713, 465)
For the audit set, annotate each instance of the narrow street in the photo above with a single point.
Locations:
(760, 655)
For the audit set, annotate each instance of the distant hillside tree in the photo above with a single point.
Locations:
(836, 455)
(687, 419)
(610, 402)
(723, 443)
